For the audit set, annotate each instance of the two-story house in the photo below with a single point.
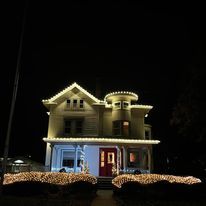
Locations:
(102, 135)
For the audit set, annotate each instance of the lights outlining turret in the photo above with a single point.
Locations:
(121, 93)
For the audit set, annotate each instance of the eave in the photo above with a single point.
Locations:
(99, 141)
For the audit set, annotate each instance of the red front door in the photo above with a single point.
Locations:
(107, 159)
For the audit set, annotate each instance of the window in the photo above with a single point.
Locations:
(117, 105)
(81, 103)
(67, 127)
(147, 135)
(121, 128)
(73, 127)
(125, 129)
(78, 126)
(68, 158)
(133, 158)
(70, 163)
(74, 104)
(117, 128)
(68, 104)
(125, 105)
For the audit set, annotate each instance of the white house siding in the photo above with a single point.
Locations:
(137, 125)
(90, 125)
(55, 125)
(107, 123)
(121, 115)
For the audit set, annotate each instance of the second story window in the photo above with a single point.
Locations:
(78, 126)
(121, 128)
(67, 126)
(73, 127)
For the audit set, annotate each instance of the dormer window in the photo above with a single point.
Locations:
(81, 103)
(68, 104)
(74, 104)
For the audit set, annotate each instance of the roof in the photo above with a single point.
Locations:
(52, 99)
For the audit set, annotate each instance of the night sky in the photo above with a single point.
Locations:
(145, 48)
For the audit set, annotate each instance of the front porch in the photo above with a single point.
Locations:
(100, 156)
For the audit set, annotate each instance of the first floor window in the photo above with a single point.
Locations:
(70, 163)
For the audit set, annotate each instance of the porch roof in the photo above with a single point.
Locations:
(99, 141)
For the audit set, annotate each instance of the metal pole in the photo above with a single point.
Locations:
(16, 81)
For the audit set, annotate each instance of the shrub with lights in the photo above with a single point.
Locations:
(157, 186)
(49, 182)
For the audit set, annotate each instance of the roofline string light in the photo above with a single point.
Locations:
(99, 140)
(62, 92)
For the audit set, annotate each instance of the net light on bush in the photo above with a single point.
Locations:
(49, 177)
(153, 178)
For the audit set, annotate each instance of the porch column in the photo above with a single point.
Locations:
(118, 159)
(51, 156)
(124, 159)
(75, 157)
(149, 159)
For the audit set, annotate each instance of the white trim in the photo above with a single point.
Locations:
(140, 106)
(100, 141)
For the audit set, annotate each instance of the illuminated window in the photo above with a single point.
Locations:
(134, 158)
(102, 158)
(121, 128)
(110, 157)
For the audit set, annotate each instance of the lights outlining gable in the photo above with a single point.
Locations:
(69, 88)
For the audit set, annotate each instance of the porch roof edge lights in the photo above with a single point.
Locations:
(99, 140)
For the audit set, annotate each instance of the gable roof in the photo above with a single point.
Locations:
(69, 88)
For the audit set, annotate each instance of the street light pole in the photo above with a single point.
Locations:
(16, 81)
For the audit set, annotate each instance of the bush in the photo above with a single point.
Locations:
(29, 188)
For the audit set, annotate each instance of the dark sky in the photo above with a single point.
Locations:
(128, 45)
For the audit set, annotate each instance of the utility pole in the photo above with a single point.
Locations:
(15, 88)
